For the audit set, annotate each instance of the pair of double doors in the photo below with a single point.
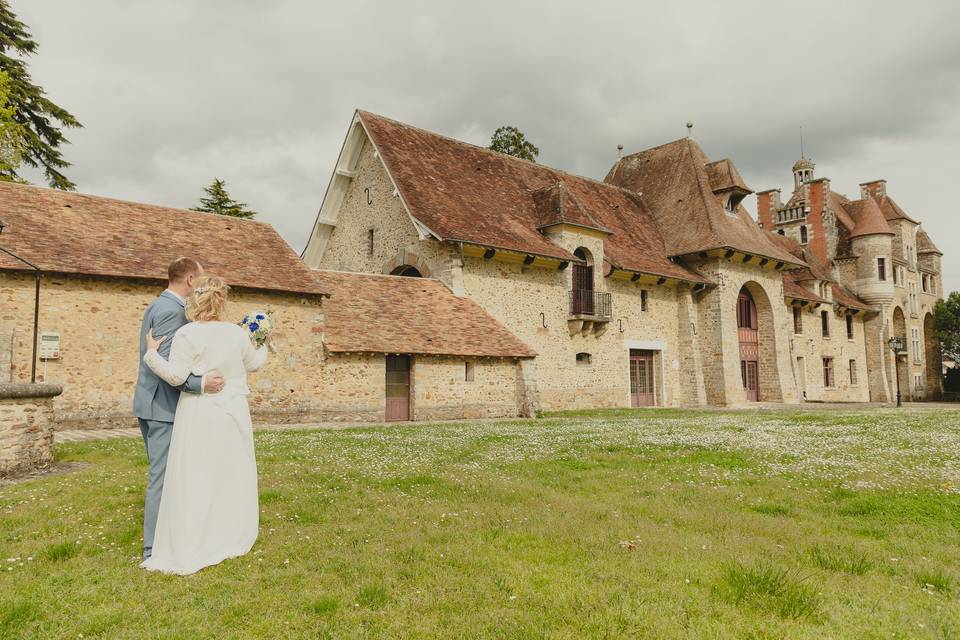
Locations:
(643, 388)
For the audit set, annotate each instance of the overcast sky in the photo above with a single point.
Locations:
(176, 92)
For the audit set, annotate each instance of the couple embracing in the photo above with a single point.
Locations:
(191, 400)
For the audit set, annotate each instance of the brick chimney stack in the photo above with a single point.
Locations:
(875, 188)
(817, 193)
(767, 204)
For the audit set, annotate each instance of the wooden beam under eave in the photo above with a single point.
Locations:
(779, 266)
(729, 254)
(661, 280)
(635, 277)
(563, 265)
(747, 258)
(764, 262)
(489, 253)
(529, 260)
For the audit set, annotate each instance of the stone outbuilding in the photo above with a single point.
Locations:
(104, 260)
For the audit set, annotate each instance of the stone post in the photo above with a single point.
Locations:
(26, 426)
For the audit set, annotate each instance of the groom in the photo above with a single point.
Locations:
(154, 401)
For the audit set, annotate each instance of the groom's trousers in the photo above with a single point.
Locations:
(156, 438)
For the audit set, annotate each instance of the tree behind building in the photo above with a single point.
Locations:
(219, 201)
(511, 141)
(41, 119)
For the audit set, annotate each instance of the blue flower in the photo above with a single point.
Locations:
(254, 326)
(260, 316)
(246, 319)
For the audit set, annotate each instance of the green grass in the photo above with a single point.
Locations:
(635, 524)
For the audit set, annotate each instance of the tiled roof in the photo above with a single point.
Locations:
(795, 291)
(925, 244)
(465, 193)
(393, 314)
(892, 211)
(675, 186)
(73, 233)
(844, 297)
(839, 204)
(723, 176)
(867, 218)
(816, 269)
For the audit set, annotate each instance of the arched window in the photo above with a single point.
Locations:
(406, 271)
(803, 234)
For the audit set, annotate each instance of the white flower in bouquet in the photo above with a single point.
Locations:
(259, 324)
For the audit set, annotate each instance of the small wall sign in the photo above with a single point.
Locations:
(49, 345)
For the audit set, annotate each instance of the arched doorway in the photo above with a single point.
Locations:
(582, 291)
(748, 335)
(900, 331)
(406, 271)
(933, 359)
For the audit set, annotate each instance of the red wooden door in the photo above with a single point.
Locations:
(747, 334)
(643, 390)
(582, 289)
(398, 388)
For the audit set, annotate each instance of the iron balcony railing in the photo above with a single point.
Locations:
(595, 305)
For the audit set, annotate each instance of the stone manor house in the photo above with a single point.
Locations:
(443, 280)
(654, 287)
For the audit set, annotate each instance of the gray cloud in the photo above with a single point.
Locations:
(175, 93)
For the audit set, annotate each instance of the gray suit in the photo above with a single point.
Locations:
(155, 403)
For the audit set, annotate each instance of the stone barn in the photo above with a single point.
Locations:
(347, 346)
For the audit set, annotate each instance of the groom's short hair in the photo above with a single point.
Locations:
(180, 268)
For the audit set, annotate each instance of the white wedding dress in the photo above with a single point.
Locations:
(209, 508)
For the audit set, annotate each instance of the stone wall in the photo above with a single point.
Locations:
(441, 391)
(810, 346)
(98, 320)
(370, 204)
(719, 339)
(26, 426)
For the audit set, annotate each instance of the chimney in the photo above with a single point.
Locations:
(767, 204)
(817, 193)
(875, 188)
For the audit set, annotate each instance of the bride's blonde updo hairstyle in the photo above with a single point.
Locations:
(208, 302)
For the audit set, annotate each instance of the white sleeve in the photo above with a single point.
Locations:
(182, 357)
(253, 358)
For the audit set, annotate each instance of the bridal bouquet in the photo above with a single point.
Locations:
(259, 324)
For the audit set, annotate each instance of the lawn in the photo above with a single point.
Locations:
(641, 524)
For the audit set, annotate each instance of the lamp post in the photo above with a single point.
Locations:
(36, 304)
(898, 346)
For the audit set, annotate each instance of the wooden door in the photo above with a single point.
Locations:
(643, 388)
(747, 335)
(582, 289)
(398, 388)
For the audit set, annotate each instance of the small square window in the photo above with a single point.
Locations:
(584, 358)
(370, 242)
(825, 323)
(468, 371)
(849, 327)
(828, 372)
(853, 372)
(643, 299)
(797, 320)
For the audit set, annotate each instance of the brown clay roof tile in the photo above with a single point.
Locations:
(675, 186)
(466, 193)
(925, 244)
(74, 233)
(867, 218)
(394, 314)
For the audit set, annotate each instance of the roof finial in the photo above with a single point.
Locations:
(801, 143)
(619, 151)
(689, 129)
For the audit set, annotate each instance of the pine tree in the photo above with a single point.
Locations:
(511, 141)
(11, 135)
(41, 119)
(219, 201)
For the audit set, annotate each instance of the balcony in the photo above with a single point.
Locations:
(790, 215)
(590, 311)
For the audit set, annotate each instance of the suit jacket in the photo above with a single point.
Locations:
(153, 398)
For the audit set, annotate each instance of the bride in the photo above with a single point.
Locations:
(209, 508)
